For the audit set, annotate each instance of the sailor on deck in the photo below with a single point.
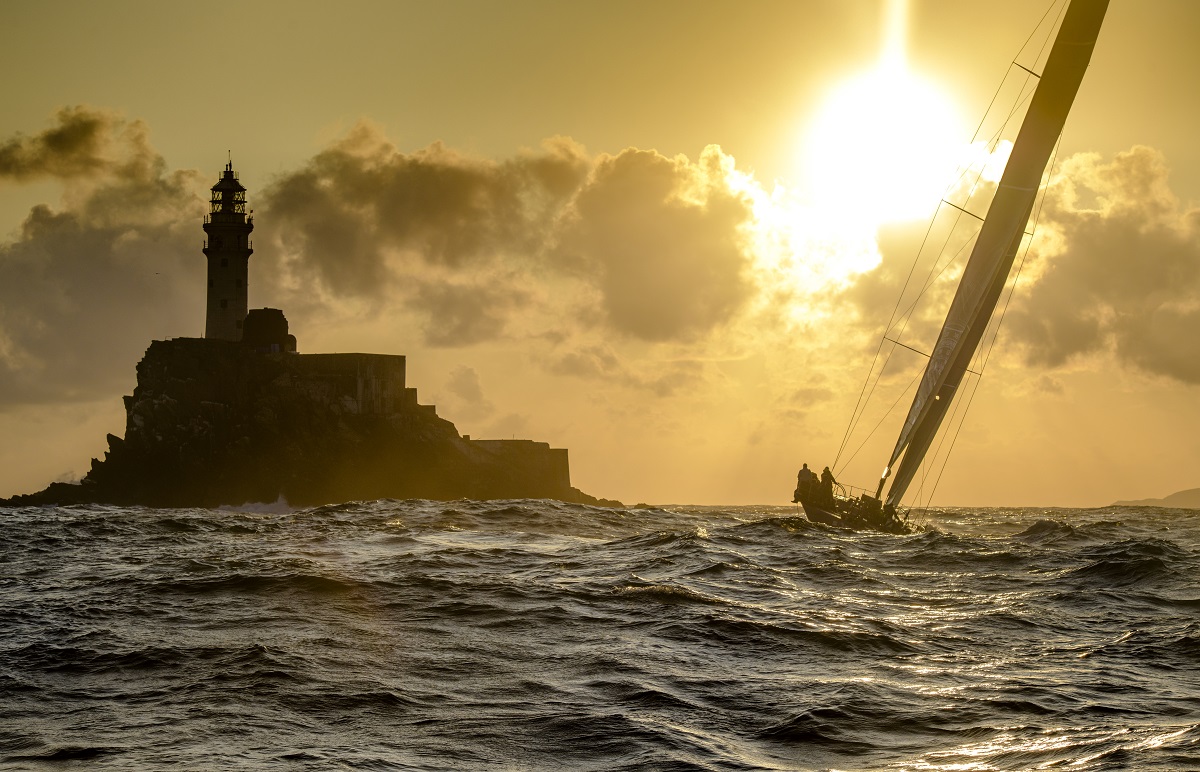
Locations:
(827, 482)
(806, 481)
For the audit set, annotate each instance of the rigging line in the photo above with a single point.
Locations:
(906, 317)
(1000, 320)
(1025, 256)
(1000, 87)
(1041, 21)
(966, 408)
(959, 404)
(884, 418)
(994, 138)
(854, 416)
(910, 348)
(912, 269)
(987, 354)
(987, 357)
(964, 211)
(1022, 97)
(858, 414)
(933, 276)
(975, 386)
(964, 405)
(866, 393)
(1062, 9)
(1026, 69)
(992, 143)
(996, 95)
(922, 353)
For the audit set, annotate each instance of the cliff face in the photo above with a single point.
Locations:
(213, 422)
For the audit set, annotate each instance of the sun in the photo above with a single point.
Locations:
(884, 145)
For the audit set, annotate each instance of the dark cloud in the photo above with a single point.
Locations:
(634, 246)
(655, 242)
(360, 207)
(461, 313)
(79, 301)
(1121, 273)
(662, 238)
(84, 288)
(78, 145)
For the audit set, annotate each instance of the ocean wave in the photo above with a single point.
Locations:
(1120, 571)
(537, 635)
(666, 593)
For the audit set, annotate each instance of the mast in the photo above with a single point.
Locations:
(999, 239)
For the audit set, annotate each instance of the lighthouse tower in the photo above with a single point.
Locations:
(228, 249)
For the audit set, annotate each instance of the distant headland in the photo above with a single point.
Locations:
(240, 416)
(1189, 499)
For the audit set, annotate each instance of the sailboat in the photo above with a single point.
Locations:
(979, 288)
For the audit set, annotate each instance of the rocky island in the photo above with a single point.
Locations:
(238, 416)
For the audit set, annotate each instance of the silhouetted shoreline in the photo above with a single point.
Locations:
(215, 422)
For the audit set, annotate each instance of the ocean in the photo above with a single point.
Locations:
(536, 635)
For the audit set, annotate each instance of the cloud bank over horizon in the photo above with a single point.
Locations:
(634, 269)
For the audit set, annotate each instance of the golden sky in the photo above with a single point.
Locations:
(663, 235)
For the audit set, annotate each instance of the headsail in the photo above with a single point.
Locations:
(992, 257)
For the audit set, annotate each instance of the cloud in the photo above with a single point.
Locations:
(1048, 385)
(467, 399)
(511, 425)
(77, 146)
(663, 238)
(648, 245)
(547, 246)
(464, 384)
(600, 362)
(1119, 270)
(85, 286)
(361, 217)
(461, 313)
(926, 261)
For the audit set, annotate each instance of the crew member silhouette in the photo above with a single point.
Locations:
(806, 480)
(827, 482)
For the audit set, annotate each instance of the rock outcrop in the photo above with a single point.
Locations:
(1189, 499)
(215, 422)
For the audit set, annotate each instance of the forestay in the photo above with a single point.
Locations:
(999, 239)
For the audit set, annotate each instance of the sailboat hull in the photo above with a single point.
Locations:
(821, 515)
(863, 514)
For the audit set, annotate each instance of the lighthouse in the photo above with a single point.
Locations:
(228, 249)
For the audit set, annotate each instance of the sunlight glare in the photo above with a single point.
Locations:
(885, 144)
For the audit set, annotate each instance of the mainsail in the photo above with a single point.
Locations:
(998, 241)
